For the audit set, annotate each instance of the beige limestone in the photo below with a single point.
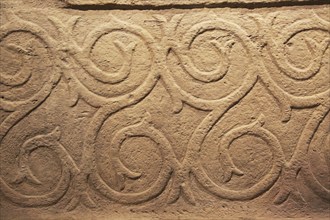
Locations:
(204, 113)
(176, 2)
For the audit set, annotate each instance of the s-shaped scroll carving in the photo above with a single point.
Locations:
(26, 88)
(32, 42)
(278, 47)
(223, 51)
(282, 77)
(219, 34)
(82, 54)
(124, 81)
(170, 163)
(255, 129)
(69, 168)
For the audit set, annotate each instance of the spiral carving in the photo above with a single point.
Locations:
(65, 60)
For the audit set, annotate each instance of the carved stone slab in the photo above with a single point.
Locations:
(164, 114)
(174, 2)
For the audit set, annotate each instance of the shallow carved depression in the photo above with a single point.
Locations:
(257, 156)
(141, 154)
(106, 54)
(49, 174)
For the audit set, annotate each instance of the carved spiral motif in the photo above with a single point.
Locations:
(226, 39)
(288, 34)
(255, 129)
(143, 129)
(68, 168)
(31, 45)
(101, 85)
(292, 70)
(33, 42)
(116, 89)
(223, 50)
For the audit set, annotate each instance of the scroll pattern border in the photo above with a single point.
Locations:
(76, 179)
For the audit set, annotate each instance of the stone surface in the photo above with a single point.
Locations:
(175, 2)
(200, 113)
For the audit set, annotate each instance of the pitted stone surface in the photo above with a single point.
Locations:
(164, 114)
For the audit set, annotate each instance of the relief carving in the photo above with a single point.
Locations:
(259, 59)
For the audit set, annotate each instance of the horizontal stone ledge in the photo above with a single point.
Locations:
(162, 3)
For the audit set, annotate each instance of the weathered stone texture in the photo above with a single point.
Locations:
(176, 2)
(191, 113)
